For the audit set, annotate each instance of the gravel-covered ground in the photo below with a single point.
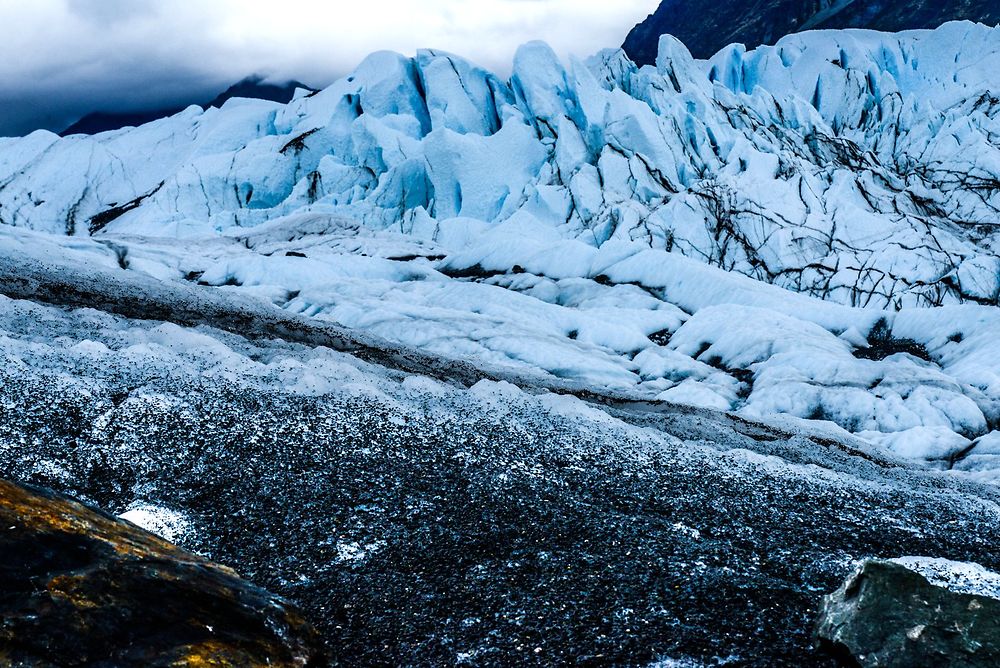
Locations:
(419, 522)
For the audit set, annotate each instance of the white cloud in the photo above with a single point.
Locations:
(143, 52)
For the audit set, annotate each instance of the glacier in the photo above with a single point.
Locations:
(590, 364)
(807, 229)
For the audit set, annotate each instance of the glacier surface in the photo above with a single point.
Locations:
(808, 229)
(425, 512)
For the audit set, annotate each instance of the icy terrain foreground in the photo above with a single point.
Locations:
(422, 512)
(610, 363)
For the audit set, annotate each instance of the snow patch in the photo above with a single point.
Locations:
(168, 524)
(959, 577)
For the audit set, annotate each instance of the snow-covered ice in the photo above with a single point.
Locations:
(805, 230)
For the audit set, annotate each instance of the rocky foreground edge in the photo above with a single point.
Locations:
(890, 616)
(79, 587)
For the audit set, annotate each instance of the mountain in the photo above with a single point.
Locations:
(100, 121)
(708, 27)
(253, 87)
(589, 364)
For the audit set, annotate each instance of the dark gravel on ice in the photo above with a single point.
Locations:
(442, 528)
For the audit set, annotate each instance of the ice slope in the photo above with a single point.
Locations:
(424, 515)
(855, 166)
(762, 233)
(921, 383)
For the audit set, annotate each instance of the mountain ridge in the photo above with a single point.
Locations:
(707, 28)
(251, 87)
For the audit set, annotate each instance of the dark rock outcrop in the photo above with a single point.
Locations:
(888, 615)
(707, 27)
(78, 587)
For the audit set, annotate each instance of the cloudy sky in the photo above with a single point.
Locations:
(60, 59)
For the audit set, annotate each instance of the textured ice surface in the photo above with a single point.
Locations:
(806, 229)
(449, 515)
(163, 522)
(856, 166)
(694, 334)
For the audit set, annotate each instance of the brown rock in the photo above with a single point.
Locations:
(80, 587)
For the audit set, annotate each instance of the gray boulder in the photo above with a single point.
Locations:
(888, 615)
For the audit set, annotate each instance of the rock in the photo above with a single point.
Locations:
(888, 615)
(79, 587)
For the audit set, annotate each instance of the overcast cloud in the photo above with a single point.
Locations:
(62, 58)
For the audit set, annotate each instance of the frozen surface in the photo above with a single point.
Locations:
(165, 523)
(922, 383)
(486, 517)
(806, 230)
(855, 166)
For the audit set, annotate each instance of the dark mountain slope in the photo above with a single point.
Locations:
(707, 27)
(252, 87)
